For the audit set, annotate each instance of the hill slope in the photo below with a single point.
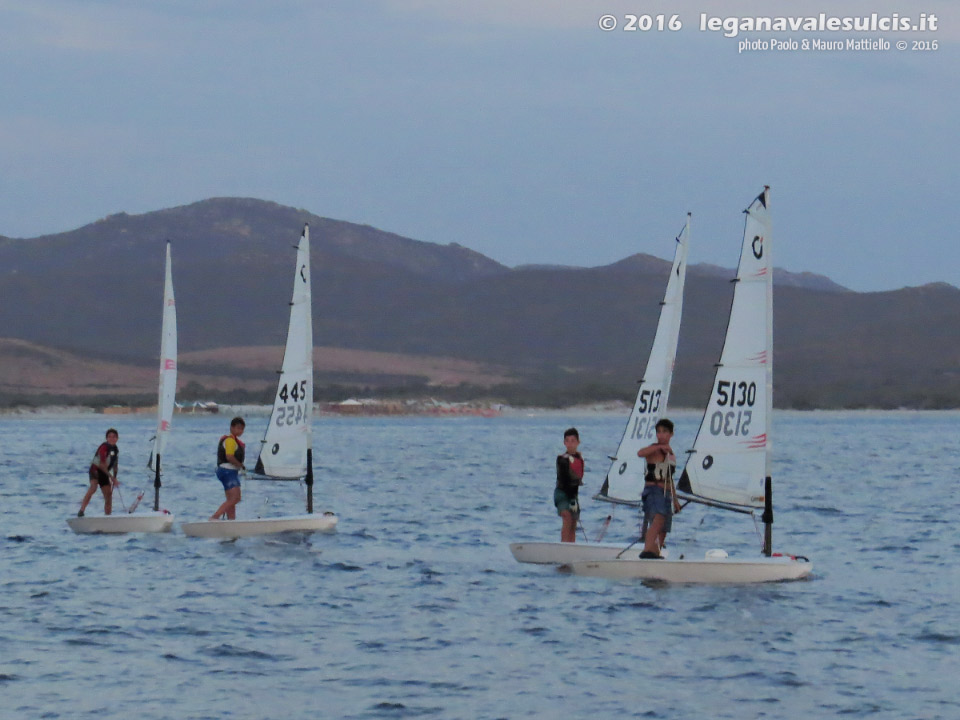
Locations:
(95, 291)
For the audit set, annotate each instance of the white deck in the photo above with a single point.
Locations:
(561, 553)
(145, 522)
(707, 571)
(318, 522)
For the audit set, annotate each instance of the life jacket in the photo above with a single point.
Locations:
(107, 452)
(660, 472)
(570, 473)
(222, 451)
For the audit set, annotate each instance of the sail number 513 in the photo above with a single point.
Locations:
(648, 403)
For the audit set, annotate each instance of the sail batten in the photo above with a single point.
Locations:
(730, 458)
(283, 455)
(624, 481)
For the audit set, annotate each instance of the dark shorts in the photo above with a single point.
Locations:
(564, 503)
(229, 478)
(99, 475)
(655, 503)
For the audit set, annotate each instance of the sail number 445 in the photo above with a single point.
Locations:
(733, 394)
(296, 392)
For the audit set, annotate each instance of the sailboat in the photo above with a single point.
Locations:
(287, 449)
(729, 465)
(624, 481)
(157, 520)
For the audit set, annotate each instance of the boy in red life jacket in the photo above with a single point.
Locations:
(569, 480)
(103, 473)
(230, 453)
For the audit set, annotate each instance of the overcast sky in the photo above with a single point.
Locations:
(519, 129)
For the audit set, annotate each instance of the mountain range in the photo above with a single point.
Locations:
(547, 334)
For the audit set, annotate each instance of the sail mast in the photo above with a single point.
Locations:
(768, 478)
(168, 376)
(624, 481)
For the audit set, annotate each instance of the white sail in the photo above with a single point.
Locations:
(730, 459)
(624, 482)
(168, 363)
(288, 436)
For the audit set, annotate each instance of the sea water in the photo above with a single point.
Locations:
(415, 607)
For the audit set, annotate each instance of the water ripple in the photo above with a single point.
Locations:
(415, 607)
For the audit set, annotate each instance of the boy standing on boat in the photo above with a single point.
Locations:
(569, 480)
(103, 473)
(230, 454)
(659, 495)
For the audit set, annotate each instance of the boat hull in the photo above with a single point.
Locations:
(714, 571)
(562, 553)
(145, 522)
(229, 529)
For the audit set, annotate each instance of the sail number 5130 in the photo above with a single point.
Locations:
(730, 423)
(731, 392)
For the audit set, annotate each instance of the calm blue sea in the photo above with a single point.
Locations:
(415, 607)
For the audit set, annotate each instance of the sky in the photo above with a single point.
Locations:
(517, 128)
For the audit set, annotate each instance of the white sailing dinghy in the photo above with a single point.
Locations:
(157, 520)
(287, 450)
(624, 482)
(729, 465)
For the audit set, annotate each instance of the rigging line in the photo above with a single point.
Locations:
(626, 548)
(643, 529)
(693, 533)
(120, 496)
(583, 530)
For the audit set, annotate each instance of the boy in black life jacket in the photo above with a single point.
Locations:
(103, 473)
(230, 454)
(659, 494)
(569, 480)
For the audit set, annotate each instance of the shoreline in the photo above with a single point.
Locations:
(618, 409)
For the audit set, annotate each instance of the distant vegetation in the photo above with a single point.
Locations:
(564, 335)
